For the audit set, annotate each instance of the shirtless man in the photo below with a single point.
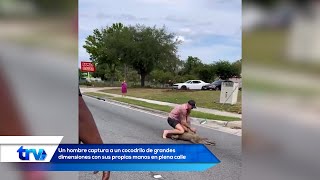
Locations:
(179, 119)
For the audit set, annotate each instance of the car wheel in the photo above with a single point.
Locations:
(203, 88)
(184, 87)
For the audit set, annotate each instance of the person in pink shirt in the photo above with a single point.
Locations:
(124, 88)
(179, 119)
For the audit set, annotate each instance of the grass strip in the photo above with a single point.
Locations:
(167, 109)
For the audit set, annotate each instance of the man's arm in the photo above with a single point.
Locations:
(184, 123)
(88, 131)
(189, 123)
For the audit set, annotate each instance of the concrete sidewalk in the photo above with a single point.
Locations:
(205, 110)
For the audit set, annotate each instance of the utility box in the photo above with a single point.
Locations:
(229, 92)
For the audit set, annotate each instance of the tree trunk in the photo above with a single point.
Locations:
(143, 77)
(125, 72)
(113, 72)
(112, 79)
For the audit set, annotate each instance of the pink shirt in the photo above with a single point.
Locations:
(124, 87)
(178, 111)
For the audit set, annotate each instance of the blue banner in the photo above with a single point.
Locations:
(133, 153)
(128, 157)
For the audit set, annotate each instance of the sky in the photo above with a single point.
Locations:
(208, 29)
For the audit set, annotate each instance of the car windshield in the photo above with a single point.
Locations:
(216, 82)
(188, 82)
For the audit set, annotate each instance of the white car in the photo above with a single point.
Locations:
(191, 84)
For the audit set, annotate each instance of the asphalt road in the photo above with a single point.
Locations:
(121, 124)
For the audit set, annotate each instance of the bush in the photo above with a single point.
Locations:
(181, 79)
(100, 84)
(85, 83)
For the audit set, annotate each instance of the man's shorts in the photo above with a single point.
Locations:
(172, 122)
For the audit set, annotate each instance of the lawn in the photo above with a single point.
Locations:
(162, 107)
(168, 109)
(206, 99)
(97, 95)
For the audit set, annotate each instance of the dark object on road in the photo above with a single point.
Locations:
(101, 99)
(192, 137)
(216, 85)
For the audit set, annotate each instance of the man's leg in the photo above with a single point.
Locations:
(178, 130)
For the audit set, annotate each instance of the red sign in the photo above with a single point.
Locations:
(88, 67)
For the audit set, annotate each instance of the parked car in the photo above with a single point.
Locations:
(191, 84)
(216, 85)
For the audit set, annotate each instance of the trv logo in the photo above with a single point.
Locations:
(24, 154)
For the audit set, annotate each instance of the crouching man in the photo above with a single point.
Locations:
(179, 119)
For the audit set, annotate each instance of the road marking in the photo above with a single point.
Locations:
(157, 176)
(225, 130)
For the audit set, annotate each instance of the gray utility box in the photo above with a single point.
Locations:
(229, 92)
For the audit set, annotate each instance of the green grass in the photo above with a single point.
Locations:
(168, 109)
(144, 104)
(100, 95)
(206, 99)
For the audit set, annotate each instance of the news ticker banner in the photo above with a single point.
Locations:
(50, 155)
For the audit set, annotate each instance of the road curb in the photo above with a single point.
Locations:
(230, 124)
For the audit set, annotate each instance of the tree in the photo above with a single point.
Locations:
(150, 48)
(171, 64)
(139, 47)
(224, 69)
(120, 41)
(237, 66)
(161, 76)
(101, 72)
(105, 48)
(191, 64)
(205, 72)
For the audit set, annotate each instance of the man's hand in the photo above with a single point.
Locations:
(186, 129)
(193, 130)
